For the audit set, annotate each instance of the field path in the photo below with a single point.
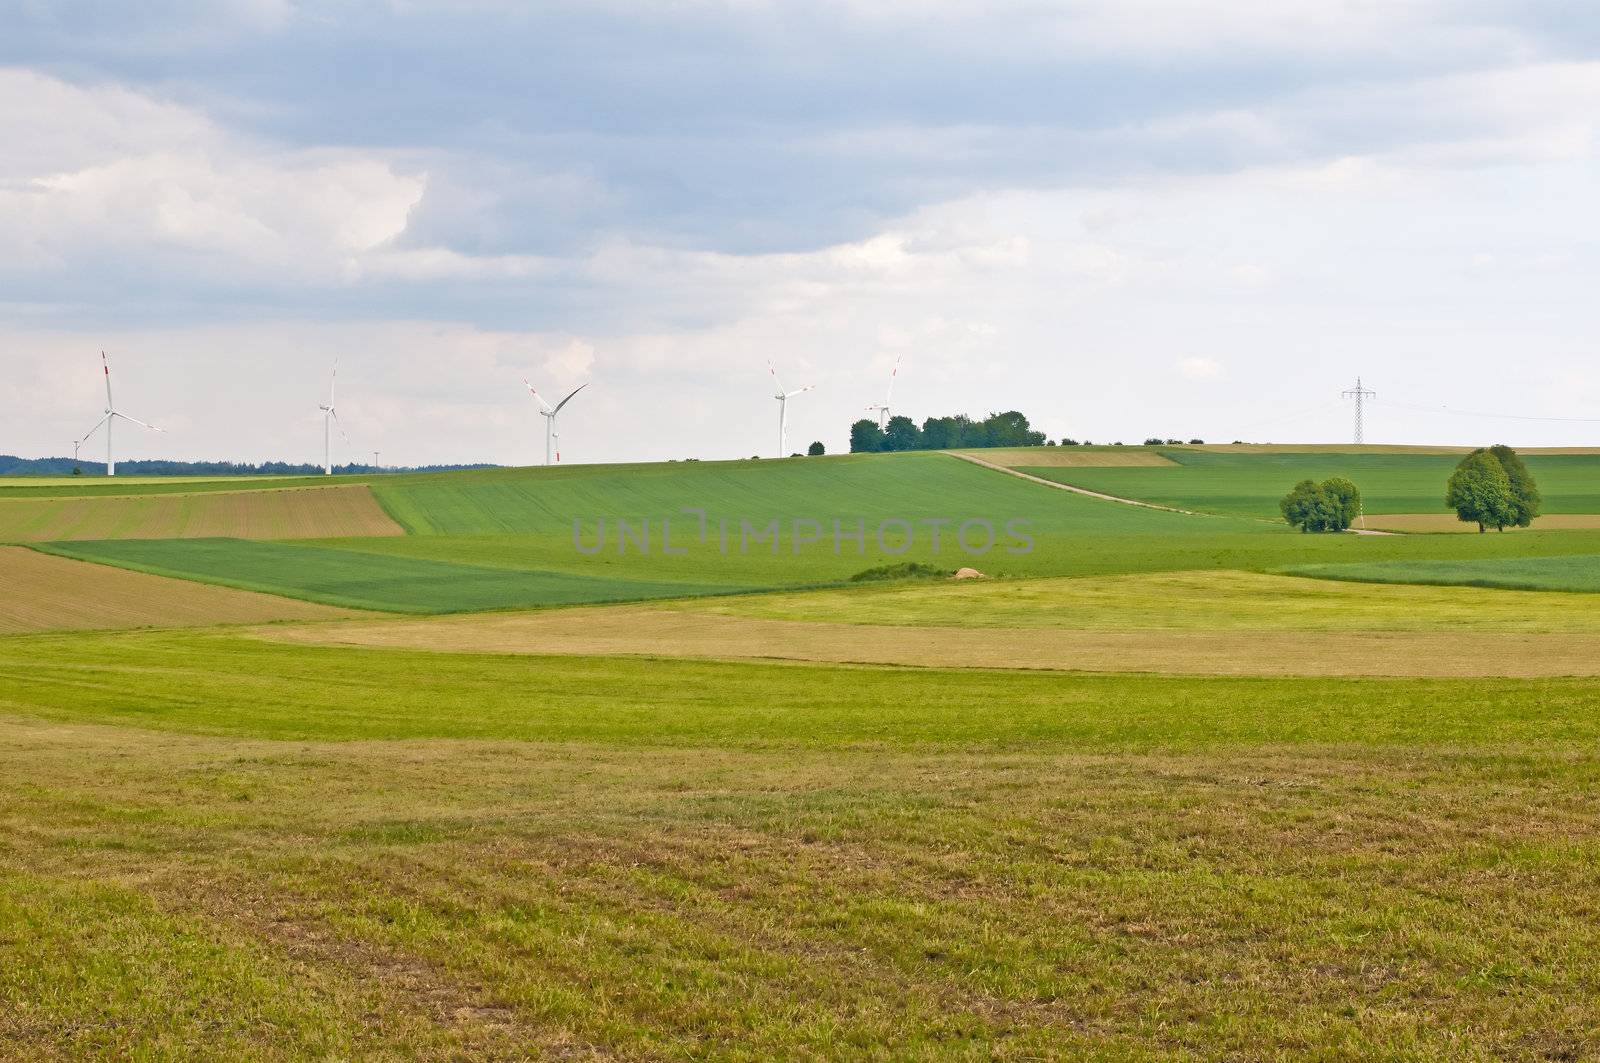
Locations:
(1075, 490)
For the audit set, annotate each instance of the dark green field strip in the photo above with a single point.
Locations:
(1577, 573)
(221, 684)
(1252, 484)
(366, 581)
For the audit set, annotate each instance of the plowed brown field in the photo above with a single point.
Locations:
(307, 513)
(43, 593)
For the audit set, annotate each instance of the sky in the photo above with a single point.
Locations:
(1126, 218)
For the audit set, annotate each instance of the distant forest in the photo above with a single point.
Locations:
(10, 465)
(1009, 429)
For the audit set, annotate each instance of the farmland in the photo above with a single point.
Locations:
(260, 514)
(1166, 785)
(1245, 483)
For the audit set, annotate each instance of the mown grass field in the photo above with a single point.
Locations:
(1251, 483)
(221, 847)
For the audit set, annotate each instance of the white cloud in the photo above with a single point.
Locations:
(1199, 368)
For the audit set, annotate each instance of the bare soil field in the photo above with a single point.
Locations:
(43, 593)
(309, 513)
(654, 632)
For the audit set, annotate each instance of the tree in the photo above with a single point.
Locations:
(1524, 491)
(1345, 498)
(1330, 506)
(1306, 506)
(866, 437)
(816, 449)
(902, 434)
(1480, 491)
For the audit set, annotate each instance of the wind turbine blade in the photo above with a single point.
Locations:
(96, 427)
(136, 421)
(340, 423)
(893, 373)
(106, 365)
(801, 391)
(333, 382)
(568, 399)
(776, 380)
(538, 397)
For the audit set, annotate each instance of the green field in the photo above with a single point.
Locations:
(259, 843)
(221, 847)
(521, 521)
(1577, 573)
(1250, 484)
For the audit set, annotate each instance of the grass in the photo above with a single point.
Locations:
(365, 581)
(260, 514)
(1580, 574)
(1251, 483)
(228, 685)
(652, 631)
(43, 593)
(218, 847)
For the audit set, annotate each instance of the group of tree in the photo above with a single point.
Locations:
(1493, 488)
(1009, 429)
(1329, 506)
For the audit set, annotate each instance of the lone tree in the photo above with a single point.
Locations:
(1494, 487)
(816, 449)
(1524, 492)
(1480, 492)
(1330, 506)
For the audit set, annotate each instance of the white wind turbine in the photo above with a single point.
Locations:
(783, 398)
(883, 410)
(111, 416)
(548, 412)
(330, 417)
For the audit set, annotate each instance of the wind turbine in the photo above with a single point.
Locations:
(548, 412)
(330, 417)
(783, 398)
(883, 411)
(111, 415)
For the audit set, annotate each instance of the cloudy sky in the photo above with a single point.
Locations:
(1124, 217)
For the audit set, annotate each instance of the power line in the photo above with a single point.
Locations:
(1498, 416)
(1359, 393)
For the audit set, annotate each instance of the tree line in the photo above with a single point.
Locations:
(1008, 429)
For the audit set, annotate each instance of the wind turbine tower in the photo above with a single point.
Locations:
(552, 439)
(112, 414)
(330, 417)
(1359, 393)
(883, 410)
(783, 398)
